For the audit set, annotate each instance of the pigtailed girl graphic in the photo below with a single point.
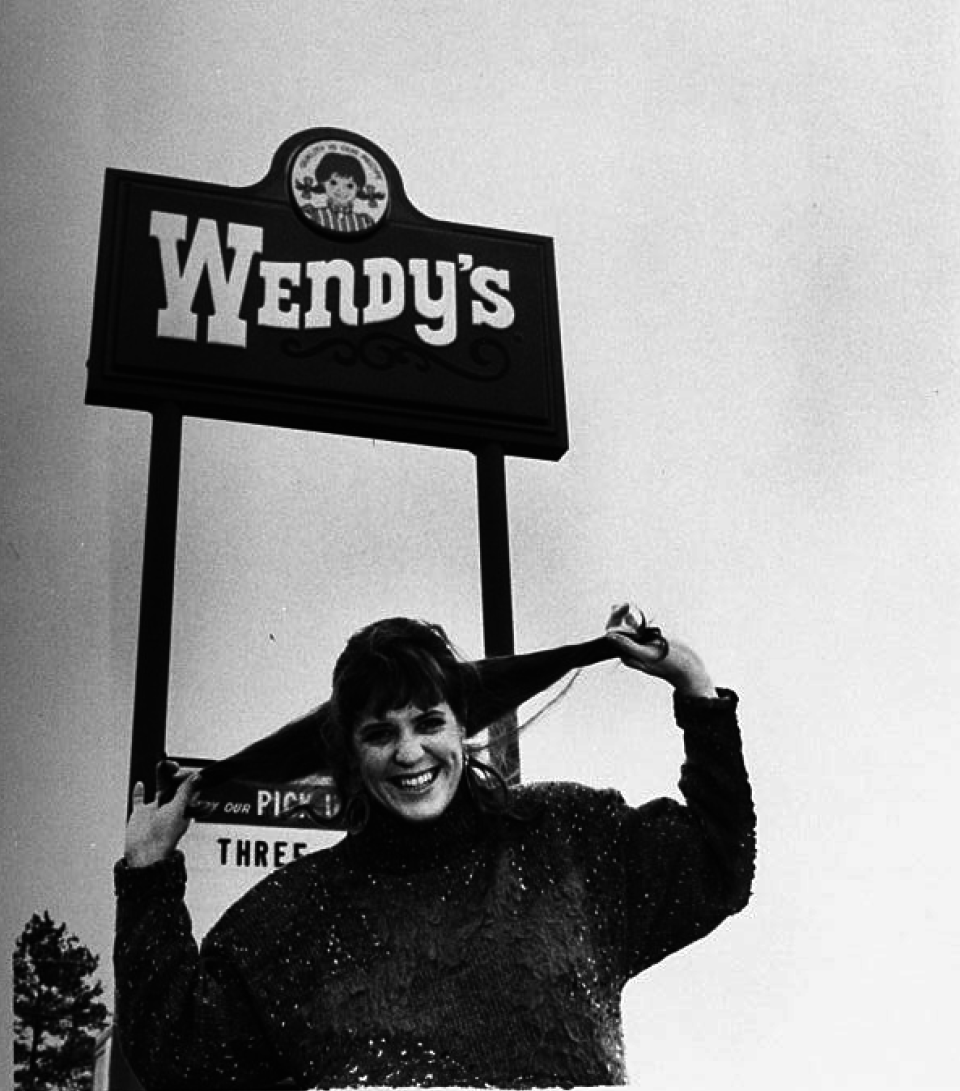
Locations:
(335, 191)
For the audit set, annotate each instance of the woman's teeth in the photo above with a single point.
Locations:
(417, 781)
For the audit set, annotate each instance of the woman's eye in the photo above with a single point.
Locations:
(376, 737)
(431, 727)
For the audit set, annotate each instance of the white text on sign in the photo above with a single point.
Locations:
(295, 294)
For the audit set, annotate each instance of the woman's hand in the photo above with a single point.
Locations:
(644, 648)
(155, 829)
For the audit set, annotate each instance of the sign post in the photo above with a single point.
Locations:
(318, 298)
(496, 590)
(156, 597)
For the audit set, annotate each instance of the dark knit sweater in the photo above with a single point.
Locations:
(474, 950)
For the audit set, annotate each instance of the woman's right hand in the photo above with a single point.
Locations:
(155, 829)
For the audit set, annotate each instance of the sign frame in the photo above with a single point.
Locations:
(406, 378)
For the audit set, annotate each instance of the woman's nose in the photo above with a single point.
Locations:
(408, 750)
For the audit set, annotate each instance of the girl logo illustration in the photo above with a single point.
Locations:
(339, 188)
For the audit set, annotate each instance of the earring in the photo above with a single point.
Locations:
(356, 814)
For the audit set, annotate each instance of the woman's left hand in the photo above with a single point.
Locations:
(154, 829)
(644, 648)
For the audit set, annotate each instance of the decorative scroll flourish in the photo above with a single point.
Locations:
(488, 360)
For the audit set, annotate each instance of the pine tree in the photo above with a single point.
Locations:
(57, 1012)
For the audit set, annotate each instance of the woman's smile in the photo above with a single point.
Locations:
(416, 782)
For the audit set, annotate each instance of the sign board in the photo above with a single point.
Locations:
(320, 298)
(253, 830)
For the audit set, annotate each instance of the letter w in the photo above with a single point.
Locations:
(177, 319)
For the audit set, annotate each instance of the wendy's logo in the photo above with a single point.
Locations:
(339, 188)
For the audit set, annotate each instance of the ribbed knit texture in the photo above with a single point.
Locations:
(476, 950)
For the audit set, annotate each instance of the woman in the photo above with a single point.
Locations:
(462, 933)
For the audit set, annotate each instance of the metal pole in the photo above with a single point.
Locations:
(496, 593)
(156, 596)
(148, 741)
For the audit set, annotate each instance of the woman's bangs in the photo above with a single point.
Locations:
(414, 678)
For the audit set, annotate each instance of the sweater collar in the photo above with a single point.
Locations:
(396, 844)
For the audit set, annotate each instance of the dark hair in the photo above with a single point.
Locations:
(347, 166)
(391, 664)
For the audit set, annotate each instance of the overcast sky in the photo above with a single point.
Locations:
(756, 213)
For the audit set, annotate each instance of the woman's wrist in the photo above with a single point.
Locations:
(684, 670)
(698, 685)
(687, 673)
(140, 858)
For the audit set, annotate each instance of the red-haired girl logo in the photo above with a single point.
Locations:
(339, 188)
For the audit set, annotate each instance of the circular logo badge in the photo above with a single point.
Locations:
(339, 188)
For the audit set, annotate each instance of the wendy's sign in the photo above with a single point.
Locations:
(320, 298)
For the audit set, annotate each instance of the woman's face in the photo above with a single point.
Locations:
(411, 759)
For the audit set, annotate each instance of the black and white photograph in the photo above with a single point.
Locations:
(479, 544)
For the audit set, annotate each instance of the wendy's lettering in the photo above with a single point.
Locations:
(315, 294)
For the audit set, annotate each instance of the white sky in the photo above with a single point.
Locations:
(756, 216)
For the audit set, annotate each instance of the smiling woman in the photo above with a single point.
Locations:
(398, 731)
(464, 933)
(411, 760)
(402, 712)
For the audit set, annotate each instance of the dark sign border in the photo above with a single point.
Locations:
(129, 368)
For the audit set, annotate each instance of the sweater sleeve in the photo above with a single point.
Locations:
(690, 865)
(184, 1015)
